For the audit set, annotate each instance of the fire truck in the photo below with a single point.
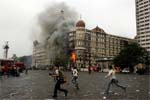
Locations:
(20, 65)
(5, 65)
(10, 67)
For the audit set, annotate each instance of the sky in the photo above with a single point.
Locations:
(18, 20)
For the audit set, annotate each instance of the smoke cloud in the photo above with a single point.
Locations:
(55, 22)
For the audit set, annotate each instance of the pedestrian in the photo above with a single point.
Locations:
(60, 79)
(17, 70)
(26, 70)
(113, 79)
(75, 77)
(0, 72)
(6, 69)
(89, 69)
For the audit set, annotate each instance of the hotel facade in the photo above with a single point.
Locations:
(95, 47)
(92, 47)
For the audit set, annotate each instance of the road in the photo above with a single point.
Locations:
(38, 85)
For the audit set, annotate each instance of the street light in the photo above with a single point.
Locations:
(6, 47)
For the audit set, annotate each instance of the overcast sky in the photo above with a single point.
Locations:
(18, 18)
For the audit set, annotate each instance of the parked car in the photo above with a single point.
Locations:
(105, 70)
(95, 68)
(125, 70)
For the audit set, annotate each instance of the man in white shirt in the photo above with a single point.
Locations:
(75, 77)
(112, 75)
(59, 80)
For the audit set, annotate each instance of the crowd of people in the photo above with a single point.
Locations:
(61, 79)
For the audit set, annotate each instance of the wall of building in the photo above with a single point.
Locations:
(96, 47)
(40, 58)
(143, 23)
(92, 47)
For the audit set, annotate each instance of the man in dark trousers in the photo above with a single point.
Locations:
(26, 70)
(113, 80)
(89, 69)
(59, 80)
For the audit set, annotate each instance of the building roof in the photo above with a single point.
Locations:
(80, 23)
(97, 29)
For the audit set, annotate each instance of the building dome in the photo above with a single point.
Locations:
(80, 23)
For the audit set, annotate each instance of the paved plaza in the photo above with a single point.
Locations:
(38, 85)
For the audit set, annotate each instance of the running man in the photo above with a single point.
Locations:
(59, 80)
(75, 77)
(113, 79)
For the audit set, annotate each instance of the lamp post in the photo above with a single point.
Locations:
(6, 47)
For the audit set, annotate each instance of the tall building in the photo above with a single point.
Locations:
(143, 23)
(95, 46)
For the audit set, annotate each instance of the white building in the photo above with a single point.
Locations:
(143, 23)
(40, 55)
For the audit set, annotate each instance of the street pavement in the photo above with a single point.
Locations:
(38, 85)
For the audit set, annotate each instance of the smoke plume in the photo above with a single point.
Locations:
(55, 22)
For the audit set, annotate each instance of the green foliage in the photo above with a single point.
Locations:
(130, 56)
(22, 59)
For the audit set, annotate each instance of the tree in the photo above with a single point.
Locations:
(130, 56)
(15, 57)
(61, 60)
(22, 59)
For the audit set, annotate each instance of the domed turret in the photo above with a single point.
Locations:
(80, 23)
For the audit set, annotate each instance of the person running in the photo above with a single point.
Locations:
(75, 77)
(59, 80)
(113, 79)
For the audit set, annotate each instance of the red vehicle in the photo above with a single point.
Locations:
(5, 65)
(20, 65)
(8, 62)
(95, 68)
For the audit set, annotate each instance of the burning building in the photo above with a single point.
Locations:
(88, 47)
(95, 46)
(54, 23)
(62, 33)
